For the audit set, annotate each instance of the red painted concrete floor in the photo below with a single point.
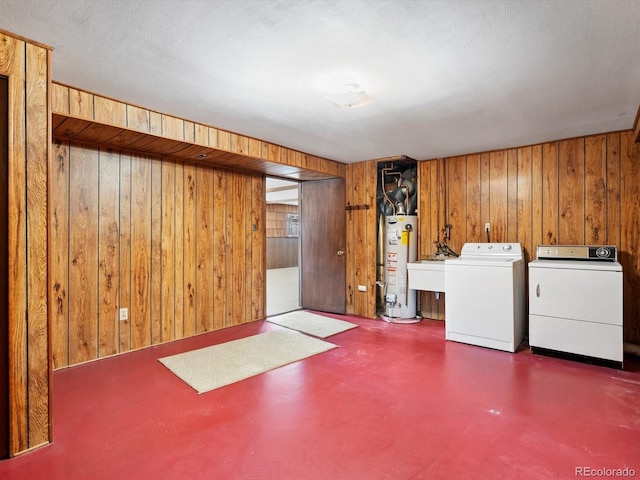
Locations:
(393, 402)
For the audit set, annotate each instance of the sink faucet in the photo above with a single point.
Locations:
(442, 249)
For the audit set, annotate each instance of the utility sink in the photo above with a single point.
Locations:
(426, 275)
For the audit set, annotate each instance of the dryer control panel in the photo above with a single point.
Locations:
(605, 253)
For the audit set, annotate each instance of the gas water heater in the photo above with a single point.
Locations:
(400, 248)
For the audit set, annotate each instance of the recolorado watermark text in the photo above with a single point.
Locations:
(605, 472)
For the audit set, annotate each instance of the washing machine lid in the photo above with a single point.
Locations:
(480, 261)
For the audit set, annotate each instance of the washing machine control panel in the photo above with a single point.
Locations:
(507, 250)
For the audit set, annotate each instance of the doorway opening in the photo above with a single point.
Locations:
(283, 247)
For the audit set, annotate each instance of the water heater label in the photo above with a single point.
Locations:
(405, 238)
(392, 261)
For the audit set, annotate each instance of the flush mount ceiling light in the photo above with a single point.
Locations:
(351, 96)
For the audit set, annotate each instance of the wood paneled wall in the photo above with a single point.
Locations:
(277, 219)
(282, 251)
(431, 219)
(181, 246)
(361, 185)
(582, 190)
(27, 67)
(93, 118)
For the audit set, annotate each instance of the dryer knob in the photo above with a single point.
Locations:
(507, 247)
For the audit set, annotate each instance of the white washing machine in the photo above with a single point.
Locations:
(575, 302)
(485, 296)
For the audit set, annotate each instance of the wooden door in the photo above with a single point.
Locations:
(322, 245)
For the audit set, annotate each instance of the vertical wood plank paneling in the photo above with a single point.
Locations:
(582, 190)
(59, 253)
(473, 230)
(108, 252)
(485, 194)
(212, 137)
(190, 250)
(26, 381)
(429, 306)
(60, 98)
(520, 222)
(219, 249)
(201, 135)
(124, 326)
(350, 240)
(368, 308)
(512, 196)
(238, 143)
(179, 251)
(571, 195)
(255, 147)
(229, 247)
(630, 233)
(538, 233)
(498, 195)
(524, 196)
(217, 260)
(439, 206)
(359, 243)
(80, 104)
(138, 118)
(258, 268)
(595, 190)
(12, 55)
(189, 132)
(83, 259)
(204, 239)
(140, 312)
(424, 226)
(371, 174)
(155, 123)
(456, 204)
(238, 240)
(431, 181)
(172, 127)
(168, 253)
(245, 273)
(156, 251)
(109, 111)
(224, 140)
(613, 210)
(362, 262)
(424, 207)
(366, 257)
(550, 187)
(38, 141)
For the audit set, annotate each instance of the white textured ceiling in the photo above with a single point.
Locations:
(447, 77)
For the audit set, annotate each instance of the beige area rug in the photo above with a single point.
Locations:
(212, 367)
(316, 325)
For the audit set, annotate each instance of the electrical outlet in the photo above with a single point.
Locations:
(487, 227)
(124, 314)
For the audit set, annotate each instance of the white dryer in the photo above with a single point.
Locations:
(575, 302)
(485, 296)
